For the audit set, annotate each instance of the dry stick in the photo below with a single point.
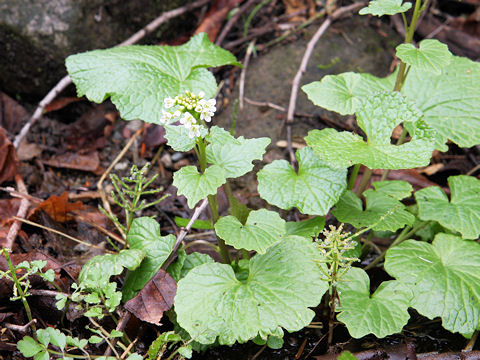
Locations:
(120, 327)
(21, 213)
(106, 204)
(228, 26)
(303, 67)
(185, 231)
(241, 86)
(62, 84)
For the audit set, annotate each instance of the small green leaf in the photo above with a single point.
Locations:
(234, 155)
(198, 224)
(43, 337)
(135, 356)
(185, 351)
(432, 55)
(346, 355)
(138, 78)
(378, 116)
(95, 311)
(385, 7)
(175, 268)
(97, 271)
(57, 338)
(74, 341)
(178, 138)
(42, 355)
(461, 213)
(314, 189)
(444, 277)
(29, 347)
(94, 339)
(282, 285)
(145, 234)
(262, 229)
(383, 313)
(275, 342)
(384, 210)
(306, 228)
(48, 275)
(196, 186)
(92, 298)
(116, 334)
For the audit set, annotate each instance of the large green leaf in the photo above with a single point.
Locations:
(97, 271)
(432, 55)
(138, 78)
(383, 210)
(314, 189)
(178, 139)
(344, 93)
(196, 186)
(282, 284)
(383, 313)
(306, 228)
(385, 7)
(450, 101)
(144, 234)
(262, 229)
(461, 213)
(235, 155)
(377, 116)
(444, 277)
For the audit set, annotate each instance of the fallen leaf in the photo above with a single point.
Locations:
(60, 103)
(88, 162)
(154, 299)
(28, 151)
(432, 169)
(58, 207)
(153, 136)
(12, 114)
(8, 158)
(217, 13)
(8, 208)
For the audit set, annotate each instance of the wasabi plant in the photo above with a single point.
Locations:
(280, 273)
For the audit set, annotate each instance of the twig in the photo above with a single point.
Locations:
(62, 234)
(303, 67)
(120, 327)
(106, 204)
(65, 81)
(21, 213)
(43, 292)
(23, 329)
(265, 103)
(184, 232)
(228, 26)
(241, 86)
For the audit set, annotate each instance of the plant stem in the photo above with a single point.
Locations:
(21, 293)
(404, 235)
(331, 319)
(367, 174)
(212, 202)
(353, 176)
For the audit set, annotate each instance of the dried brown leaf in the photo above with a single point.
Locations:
(59, 208)
(154, 299)
(8, 158)
(87, 162)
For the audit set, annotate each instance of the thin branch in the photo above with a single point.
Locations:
(241, 86)
(21, 213)
(228, 26)
(184, 232)
(65, 81)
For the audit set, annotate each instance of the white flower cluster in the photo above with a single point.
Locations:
(191, 109)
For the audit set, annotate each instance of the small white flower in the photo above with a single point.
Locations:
(187, 120)
(206, 108)
(194, 131)
(169, 102)
(201, 94)
(166, 117)
(177, 114)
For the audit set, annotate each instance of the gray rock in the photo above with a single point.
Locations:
(37, 35)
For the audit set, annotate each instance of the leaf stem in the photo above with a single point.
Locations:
(367, 174)
(404, 235)
(353, 176)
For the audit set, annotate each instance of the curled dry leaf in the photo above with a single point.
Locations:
(154, 299)
(8, 158)
(88, 162)
(58, 207)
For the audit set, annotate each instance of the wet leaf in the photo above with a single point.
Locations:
(154, 299)
(314, 189)
(59, 208)
(138, 78)
(444, 277)
(383, 313)
(283, 283)
(461, 213)
(8, 158)
(262, 229)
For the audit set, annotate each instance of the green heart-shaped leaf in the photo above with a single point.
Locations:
(378, 116)
(138, 78)
(144, 234)
(385, 7)
(384, 210)
(432, 55)
(262, 229)
(383, 313)
(314, 189)
(461, 213)
(444, 277)
(282, 284)
(196, 186)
